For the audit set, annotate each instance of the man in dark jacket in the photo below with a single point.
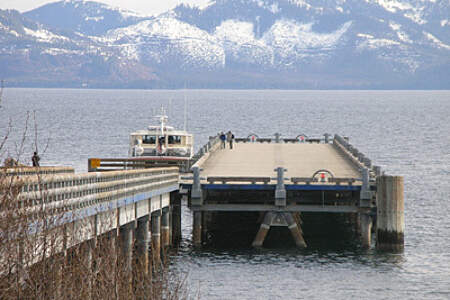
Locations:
(223, 138)
(35, 159)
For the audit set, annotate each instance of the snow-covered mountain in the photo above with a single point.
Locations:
(86, 17)
(237, 43)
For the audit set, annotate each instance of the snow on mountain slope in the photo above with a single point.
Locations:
(232, 41)
(436, 42)
(43, 35)
(240, 44)
(290, 39)
(86, 17)
(157, 38)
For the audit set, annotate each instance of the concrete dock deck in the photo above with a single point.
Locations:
(300, 160)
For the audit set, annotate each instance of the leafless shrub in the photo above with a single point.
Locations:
(39, 260)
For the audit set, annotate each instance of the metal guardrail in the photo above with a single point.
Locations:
(355, 156)
(210, 147)
(30, 171)
(132, 163)
(301, 138)
(65, 192)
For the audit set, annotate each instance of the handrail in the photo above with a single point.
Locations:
(253, 138)
(357, 158)
(73, 191)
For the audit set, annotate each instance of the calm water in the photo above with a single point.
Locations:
(405, 132)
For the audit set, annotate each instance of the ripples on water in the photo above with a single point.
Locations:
(406, 132)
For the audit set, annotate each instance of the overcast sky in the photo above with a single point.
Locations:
(142, 6)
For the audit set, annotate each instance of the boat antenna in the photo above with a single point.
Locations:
(185, 109)
(170, 109)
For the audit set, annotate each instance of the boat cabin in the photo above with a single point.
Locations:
(161, 140)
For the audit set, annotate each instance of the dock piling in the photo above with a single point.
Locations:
(175, 202)
(197, 229)
(156, 237)
(390, 213)
(126, 238)
(142, 241)
(165, 228)
(365, 223)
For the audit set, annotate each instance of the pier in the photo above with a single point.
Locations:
(135, 205)
(279, 179)
(79, 210)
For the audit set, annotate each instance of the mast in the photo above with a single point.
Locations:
(185, 109)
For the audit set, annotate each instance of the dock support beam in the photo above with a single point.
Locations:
(263, 230)
(142, 242)
(197, 229)
(390, 213)
(296, 231)
(175, 203)
(156, 237)
(284, 219)
(165, 228)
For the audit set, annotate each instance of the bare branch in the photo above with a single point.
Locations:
(20, 146)
(2, 85)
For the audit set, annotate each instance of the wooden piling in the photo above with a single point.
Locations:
(390, 213)
(165, 228)
(197, 229)
(175, 203)
(365, 223)
(156, 237)
(126, 244)
(142, 242)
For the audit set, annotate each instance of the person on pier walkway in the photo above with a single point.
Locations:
(35, 159)
(223, 138)
(230, 138)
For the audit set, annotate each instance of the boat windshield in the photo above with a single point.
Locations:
(174, 139)
(149, 139)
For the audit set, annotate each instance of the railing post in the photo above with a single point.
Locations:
(277, 138)
(280, 191)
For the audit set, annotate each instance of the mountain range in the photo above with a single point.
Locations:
(293, 44)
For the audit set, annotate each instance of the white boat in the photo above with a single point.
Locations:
(162, 143)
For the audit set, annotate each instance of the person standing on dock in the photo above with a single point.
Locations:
(223, 139)
(230, 138)
(35, 159)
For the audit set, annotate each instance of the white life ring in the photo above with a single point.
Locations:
(138, 150)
